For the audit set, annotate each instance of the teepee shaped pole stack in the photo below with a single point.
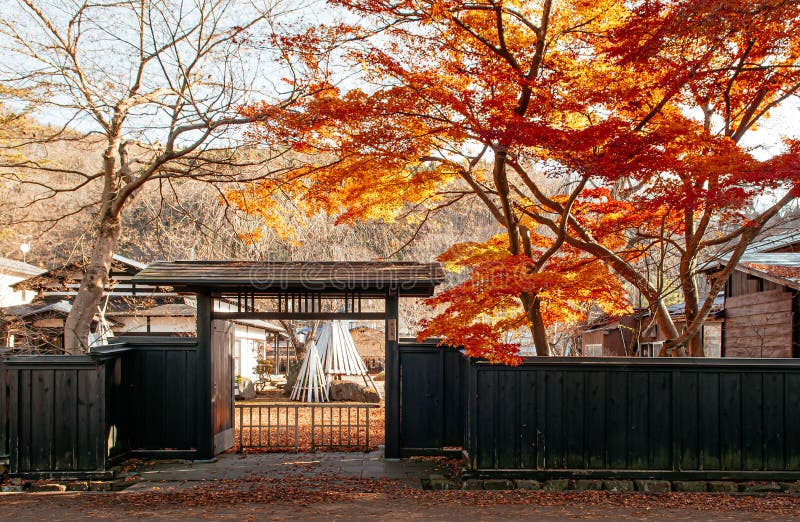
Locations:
(312, 384)
(339, 354)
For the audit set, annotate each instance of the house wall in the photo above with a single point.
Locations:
(759, 324)
(590, 340)
(712, 338)
(615, 338)
(741, 283)
(619, 341)
(8, 297)
(168, 325)
(250, 344)
(712, 335)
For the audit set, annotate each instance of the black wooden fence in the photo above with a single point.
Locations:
(58, 414)
(73, 416)
(671, 418)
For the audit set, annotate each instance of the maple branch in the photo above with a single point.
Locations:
(562, 228)
(489, 45)
(748, 233)
(424, 220)
(727, 94)
(501, 37)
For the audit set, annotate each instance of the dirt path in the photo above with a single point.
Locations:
(368, 506)
(338, 497)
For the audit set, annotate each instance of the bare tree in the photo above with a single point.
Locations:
(153, 85)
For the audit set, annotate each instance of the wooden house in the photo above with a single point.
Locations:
(636, 334)
(762, 305)
(610, 337)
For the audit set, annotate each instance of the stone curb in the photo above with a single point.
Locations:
(439, 482)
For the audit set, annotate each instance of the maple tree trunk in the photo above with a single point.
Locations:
(695, 342)
(533, 310)
(90, 293)
(665, 323)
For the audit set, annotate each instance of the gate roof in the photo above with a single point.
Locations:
(322, 277)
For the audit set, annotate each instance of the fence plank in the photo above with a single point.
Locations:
(618, 405)
(507, 434)
(528, 416)
(638, 420)
(709, 420)
(773, 417)
(41, 434)
(88, 415)
(792, 419)
(554, 415)
(486, 434)
(66, 422)
(688, 420)
(660, 424)
(730, 392)
(752, 406)
(595, 430)
(574, 427)
(23, 442)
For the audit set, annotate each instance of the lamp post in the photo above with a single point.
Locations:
(25, 248)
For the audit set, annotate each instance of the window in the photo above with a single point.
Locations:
(650, 349)
(593, 350)
(237, 358)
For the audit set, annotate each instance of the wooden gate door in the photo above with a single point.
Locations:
(433, 408)
(222, 341)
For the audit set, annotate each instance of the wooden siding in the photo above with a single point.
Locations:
(161, 402)
(740, 284)
(759, 324)
(712, 338)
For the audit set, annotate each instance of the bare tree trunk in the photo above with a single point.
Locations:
(84, 307)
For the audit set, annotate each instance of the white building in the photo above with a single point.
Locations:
(11, 273)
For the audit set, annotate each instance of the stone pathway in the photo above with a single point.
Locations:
(232, 466)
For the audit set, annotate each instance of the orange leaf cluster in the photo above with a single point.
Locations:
(480, 312)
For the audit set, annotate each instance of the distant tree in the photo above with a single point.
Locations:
(152, 85)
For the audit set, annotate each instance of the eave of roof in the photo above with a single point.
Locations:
(411, 279)
(782, 268)
(25, 310)
(12, 266)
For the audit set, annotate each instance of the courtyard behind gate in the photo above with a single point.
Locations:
(308, 427)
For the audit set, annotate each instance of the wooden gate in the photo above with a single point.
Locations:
(222, 340)
(432, 403)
